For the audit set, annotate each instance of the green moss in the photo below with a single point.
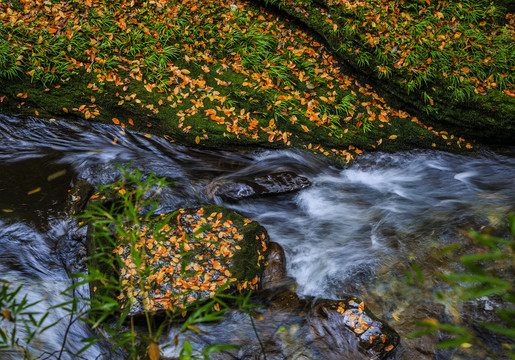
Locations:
(264, 86)
(488, 118)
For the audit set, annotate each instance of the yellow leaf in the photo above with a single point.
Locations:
(154, 353)
(56, 175)
(305, 128)
(7, 315)
(197, 139)
(34, 191)
(392, 137)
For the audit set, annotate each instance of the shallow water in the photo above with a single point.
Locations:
(353, 232)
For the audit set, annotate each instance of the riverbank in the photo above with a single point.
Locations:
(205, 74)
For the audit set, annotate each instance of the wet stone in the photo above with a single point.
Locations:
(332, 322)
(270, 184)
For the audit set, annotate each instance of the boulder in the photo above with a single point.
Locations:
(269, 184)
(347, 324)
(196, 253)
(290, 327)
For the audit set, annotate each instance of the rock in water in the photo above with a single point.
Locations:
(270, 184)
(186, 259)
(331, 322)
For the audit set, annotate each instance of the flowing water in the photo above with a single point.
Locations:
(355, 231)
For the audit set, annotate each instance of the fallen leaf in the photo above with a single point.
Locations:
(154, 353)
(34, 191)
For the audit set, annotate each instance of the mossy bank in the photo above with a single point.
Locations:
(207, 74)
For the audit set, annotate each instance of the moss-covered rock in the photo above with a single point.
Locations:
(449, 64)
(187, 260)
(240, 77)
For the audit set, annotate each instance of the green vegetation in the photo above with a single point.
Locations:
(204, 73)
(452, 60)
(487, 272)
(104, 311)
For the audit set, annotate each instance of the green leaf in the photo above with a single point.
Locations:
(482, 257)
(453, 342)
(217, 347)
(499, 329)
(187, 348)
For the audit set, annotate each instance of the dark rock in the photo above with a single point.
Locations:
(78, 197)
(274, 272)
(270, 184)
(306, 328)
(486, 310)
(336, 325)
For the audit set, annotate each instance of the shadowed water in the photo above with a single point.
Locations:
(341, 235)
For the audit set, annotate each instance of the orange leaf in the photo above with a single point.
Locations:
(7, 315)
(149, 87)
(34, 191)
(116, 121)
(305, 128)
(154, 353)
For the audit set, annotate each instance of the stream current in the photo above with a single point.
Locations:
(355, 231)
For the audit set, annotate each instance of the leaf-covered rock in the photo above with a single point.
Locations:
(187, 259)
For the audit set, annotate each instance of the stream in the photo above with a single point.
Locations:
(354, 232)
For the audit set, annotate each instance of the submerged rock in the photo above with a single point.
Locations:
(270, 184)
(306, 328)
